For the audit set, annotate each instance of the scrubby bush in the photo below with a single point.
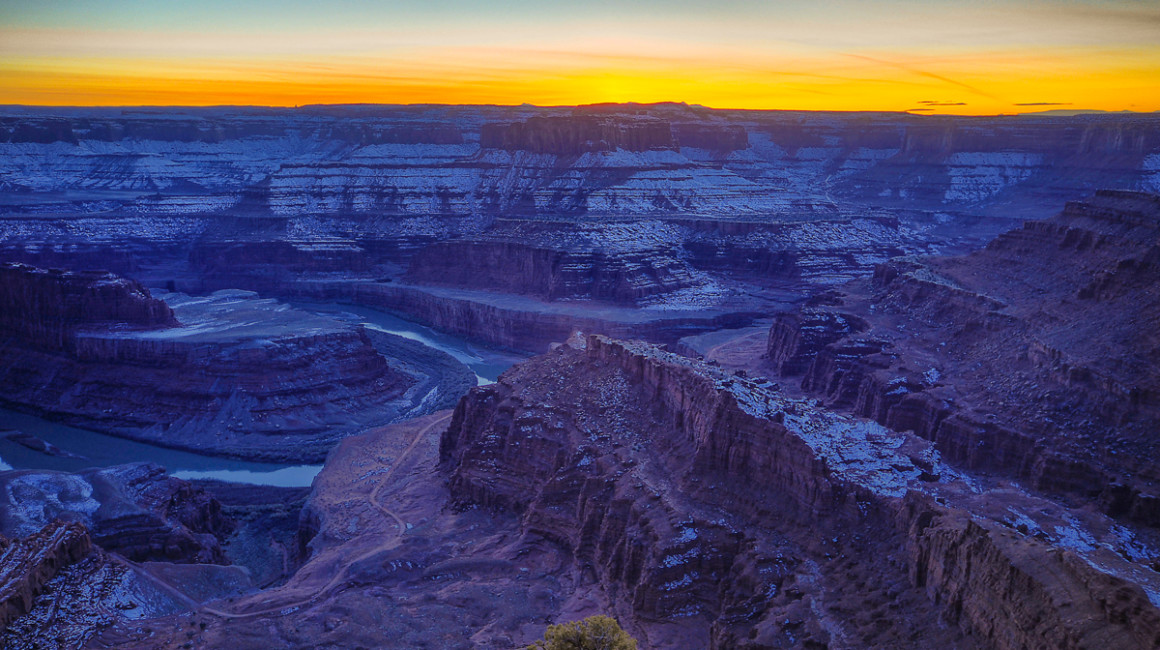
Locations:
(593, 633)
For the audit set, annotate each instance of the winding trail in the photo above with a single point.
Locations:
(386, 544)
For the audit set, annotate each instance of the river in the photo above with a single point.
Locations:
(84, 448)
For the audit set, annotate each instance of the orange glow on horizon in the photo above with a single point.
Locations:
(878, 88)
(844, 66)
(943, 86)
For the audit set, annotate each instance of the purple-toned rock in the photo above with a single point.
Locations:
(1032, 357)
(233, 374)
(46, 308)
(134, 510)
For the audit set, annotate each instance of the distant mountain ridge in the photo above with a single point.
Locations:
(618, 160)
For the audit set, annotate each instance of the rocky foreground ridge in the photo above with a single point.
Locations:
(226, 373)
(702, 508)
(667, 521)
(1034, 358)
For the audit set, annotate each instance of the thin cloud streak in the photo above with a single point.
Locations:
(924, 73)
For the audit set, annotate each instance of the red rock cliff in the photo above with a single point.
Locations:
(47, 307)
(689, 492)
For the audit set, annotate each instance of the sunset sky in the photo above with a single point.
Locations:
(982, 57)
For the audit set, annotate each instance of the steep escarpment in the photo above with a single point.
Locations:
(233, 374)
(689, 492)
(614, 262)
(59, 590)
(816, 251)
(631, 262)
(700, 507)
(529, 324)
(46, 308)
(81, 551)
(1034, 357)
(1016, 591)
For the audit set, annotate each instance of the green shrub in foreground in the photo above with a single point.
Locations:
(592, 633)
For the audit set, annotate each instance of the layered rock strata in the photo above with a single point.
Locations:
(528, 324)
(701, 508)
(622, 263)
(642, 262)
(607, 159)
(100, 589)
(47, 308)
(79, 552)
(1034, 358)
(668, 522)
(233, 374)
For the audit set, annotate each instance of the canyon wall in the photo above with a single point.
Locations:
(46, 308)
(660, 475)
(620, 262)
(517, 322)
(608, 159)
(1028, 358)
(699, 507)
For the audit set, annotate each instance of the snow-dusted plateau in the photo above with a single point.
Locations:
(437, 376)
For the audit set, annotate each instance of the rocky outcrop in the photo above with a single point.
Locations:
(796, 338)
(134, 510)
(83, 590)
(966, 563)
(79, 552)
(658, 473)
(614, 262)
(816, 251)
(47, 308)
(27, 564)
(699, 507)
(1026, 358)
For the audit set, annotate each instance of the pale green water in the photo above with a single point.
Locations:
(487, 363)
